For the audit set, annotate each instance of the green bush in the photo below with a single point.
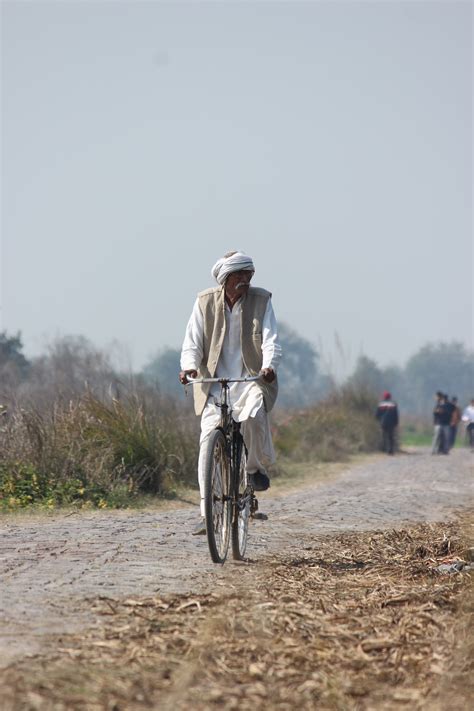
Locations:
(22, 486)
(96, 452)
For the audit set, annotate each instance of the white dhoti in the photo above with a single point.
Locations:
(248, 409)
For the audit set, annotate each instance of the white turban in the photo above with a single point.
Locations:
(226, 265)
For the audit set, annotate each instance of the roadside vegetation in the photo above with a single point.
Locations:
(107, 452)
(93, 452)
(76, 429)
(333, 429)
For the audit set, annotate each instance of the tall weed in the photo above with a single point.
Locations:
(91, 449)
(103, 451)
(331, 430)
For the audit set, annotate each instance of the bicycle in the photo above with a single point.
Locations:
(229, 497)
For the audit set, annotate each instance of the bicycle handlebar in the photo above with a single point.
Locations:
(248, 379)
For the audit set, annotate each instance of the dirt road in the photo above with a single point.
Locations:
(50, 567)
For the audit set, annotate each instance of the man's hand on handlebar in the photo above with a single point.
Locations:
(183, 375)
(268, 374)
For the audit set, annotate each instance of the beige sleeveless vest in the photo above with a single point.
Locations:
(212, 304)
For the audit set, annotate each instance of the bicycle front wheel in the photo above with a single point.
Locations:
(217, 499)
(242, 502)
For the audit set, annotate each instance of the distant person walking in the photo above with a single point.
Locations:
(468, 419)
(387, 415)
(454, 422)
(441, 421)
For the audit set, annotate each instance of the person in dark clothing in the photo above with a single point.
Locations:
(448, 408)
(387, 415)
(454, 421)
(445, 419)
(441, 420)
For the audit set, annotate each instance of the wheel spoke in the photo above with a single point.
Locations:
(218, 505)
(242, 510)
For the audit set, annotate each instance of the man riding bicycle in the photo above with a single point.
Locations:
(232, 333)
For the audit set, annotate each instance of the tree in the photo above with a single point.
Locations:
(14, 367)
(11, 351)
(437, 366)
(162, 371)
(70, 366)
(448, 367)
(300, 380)
(367, 375)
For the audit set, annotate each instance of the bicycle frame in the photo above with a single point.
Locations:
(224, 404)
(228, 425)
(242, 501)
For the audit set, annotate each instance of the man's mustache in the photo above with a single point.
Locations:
(242, 283)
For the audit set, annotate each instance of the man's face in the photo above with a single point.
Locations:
(238, 283)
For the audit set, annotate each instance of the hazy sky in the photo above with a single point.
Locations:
(332, 141)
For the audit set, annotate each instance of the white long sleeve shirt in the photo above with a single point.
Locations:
(230, 364)
(468, 414)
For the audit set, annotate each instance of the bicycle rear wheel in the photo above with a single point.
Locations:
(242, 500)
(217, 499)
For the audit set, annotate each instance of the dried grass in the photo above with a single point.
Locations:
(335, 428)
(357, 621)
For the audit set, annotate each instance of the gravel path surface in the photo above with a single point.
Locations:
(50, 567)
